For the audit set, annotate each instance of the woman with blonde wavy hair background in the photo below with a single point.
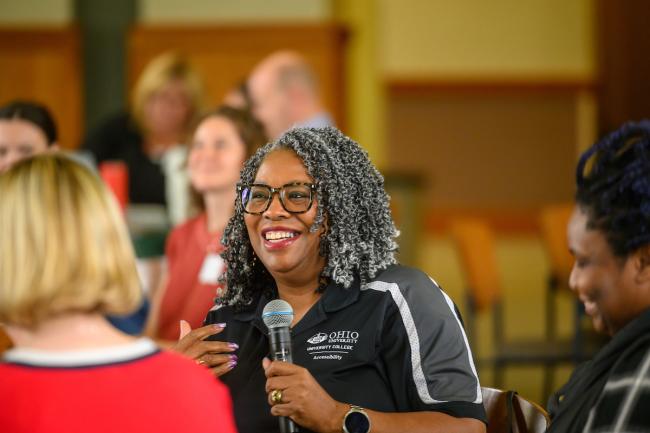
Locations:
(166, 102)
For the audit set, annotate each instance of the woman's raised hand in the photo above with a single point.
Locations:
(215, 355)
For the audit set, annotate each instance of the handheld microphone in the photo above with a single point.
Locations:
(277, 316)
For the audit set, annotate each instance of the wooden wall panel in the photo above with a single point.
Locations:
(43, 64)
(492, 148)
(624, 64)
(226, 54)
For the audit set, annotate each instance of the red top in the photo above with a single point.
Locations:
(185, 296)
(131, 388)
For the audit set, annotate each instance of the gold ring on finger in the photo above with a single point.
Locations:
(276, 396)
(200, 362)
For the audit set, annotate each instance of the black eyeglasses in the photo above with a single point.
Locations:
(295, 197)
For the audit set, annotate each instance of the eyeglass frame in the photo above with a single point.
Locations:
(274, 191)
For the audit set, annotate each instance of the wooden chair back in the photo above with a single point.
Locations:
(508, 412)
(553, 222)
(476, 244)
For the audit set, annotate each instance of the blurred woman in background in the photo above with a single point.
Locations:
(222, 141)
(609, 237)
(65, 262)
(26, 128)
(166, 102)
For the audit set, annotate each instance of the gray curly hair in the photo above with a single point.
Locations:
(360, 236)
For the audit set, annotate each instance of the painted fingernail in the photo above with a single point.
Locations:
(219, 325)
(233, 357)
(232, 364)
(233, 346)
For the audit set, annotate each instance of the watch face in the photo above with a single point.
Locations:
(357, 422)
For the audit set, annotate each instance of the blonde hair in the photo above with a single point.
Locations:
(157, 74)
(63, 244)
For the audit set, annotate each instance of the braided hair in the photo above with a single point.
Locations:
(613, 187)
(360, 236)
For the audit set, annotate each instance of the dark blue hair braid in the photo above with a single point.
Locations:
(613, 187)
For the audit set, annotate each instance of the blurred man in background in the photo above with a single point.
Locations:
(284, 93)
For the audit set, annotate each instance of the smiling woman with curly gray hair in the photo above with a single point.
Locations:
(361, 322)
(350, 195)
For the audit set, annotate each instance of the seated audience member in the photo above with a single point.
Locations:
(284, 94)
(165, 104)
(609, 236)
(65, 262)
(26, 128)
(223, 140)
(374, 342)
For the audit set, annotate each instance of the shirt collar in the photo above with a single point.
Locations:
(335, 298)
(78, 358)
(320, 120)
(253, 313)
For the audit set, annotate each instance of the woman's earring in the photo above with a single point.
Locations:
(324, 227)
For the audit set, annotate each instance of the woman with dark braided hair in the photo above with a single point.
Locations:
(376, 346)
(609, 236)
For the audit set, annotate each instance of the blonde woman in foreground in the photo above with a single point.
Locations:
(65, 262)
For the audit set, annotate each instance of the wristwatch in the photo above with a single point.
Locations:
(356, 421)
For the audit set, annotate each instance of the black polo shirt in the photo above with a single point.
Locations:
(395, 345)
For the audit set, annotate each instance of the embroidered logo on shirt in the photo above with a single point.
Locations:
(337, 344)
(318, 338)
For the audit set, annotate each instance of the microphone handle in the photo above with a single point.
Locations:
(287, 425)
(280, 339)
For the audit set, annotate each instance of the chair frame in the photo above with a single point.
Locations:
(508, 412)
(530, 351)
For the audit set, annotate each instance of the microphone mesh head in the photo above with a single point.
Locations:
(277, 314)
